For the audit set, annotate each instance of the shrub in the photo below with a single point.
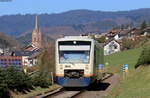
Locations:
(129, 43)
(41, 80)
(13, 79)
(144, 58)
(101, 40)
(16, 79)
(46, 65)
(3, 85)
(46, 60)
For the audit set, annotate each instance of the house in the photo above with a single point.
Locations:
(111, 47)
(1, 51)
(29, 58)
(6, 61)
(146, 31)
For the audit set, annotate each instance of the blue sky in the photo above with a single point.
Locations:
(57, 6)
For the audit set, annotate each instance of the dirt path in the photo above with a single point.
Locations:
(102, 89)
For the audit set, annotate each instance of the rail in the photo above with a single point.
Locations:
(62, 93)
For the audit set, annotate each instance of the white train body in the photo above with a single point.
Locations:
(75, 66)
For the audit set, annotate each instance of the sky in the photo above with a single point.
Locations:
(57, 6)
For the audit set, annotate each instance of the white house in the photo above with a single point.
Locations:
(29, 58)
(1, 51)
(117, 37)
(111, 47)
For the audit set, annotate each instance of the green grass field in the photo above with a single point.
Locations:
(116, 61)
(137, 83)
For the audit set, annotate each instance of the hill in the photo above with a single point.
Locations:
(73, 22)
(136, 85)
(116, 61)
(137, 82)
(7, 41)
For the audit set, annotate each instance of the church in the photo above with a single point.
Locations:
(37, 40)
(30, 53)
(37, 35)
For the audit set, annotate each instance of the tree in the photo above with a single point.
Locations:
(128, 44)
(101, 40)
(41, 80)
(17, 79)
(12, 78)
(143, 25)
(144, 58)
(46, 64)
(3, 85)
(46, 60)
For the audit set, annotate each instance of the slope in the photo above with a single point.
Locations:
(137, 82)
(115, 61)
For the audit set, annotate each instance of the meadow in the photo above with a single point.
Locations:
(136, 84)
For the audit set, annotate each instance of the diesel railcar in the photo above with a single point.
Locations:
(77, 59)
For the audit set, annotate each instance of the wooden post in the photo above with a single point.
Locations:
(52, 78)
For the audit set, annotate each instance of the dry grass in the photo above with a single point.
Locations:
(37, 90)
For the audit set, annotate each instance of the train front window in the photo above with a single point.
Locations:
(74, 57)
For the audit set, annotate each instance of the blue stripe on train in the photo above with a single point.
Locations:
(66, 82)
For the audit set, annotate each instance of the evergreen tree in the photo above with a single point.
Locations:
(143, 25)
(144, 58)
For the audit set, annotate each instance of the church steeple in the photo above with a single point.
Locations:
(36, 22)
(37, 35)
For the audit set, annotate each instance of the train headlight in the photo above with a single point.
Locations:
(74, 42)
(61, 67)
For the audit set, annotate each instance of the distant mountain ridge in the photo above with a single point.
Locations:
(72, 22)
(23, 23)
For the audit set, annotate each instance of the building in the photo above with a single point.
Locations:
(37, 35)
(111, 47)
(6, 61)
(29, 58)
(1, 51)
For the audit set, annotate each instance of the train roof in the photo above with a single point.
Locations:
(70, 38)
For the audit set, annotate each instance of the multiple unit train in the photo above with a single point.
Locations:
(77, 59)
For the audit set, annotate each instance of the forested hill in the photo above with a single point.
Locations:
(75, 21)
(7, 41)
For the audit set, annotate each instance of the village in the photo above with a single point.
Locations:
(114, 40)
(74, 49)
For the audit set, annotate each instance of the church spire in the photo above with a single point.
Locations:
(37, 35)
(36, 22)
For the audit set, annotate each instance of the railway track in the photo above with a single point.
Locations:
(63, 93)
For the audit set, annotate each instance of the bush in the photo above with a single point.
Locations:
(13, 79)
(144, 58)
(16, 79)
(128, 44)
(46, 60)
(41, 80)
(46, 65)
(3, 85)
(101, 40)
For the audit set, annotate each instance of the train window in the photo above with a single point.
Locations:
(81, 57)
(75, 43)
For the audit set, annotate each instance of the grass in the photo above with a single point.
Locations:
(115, 61)
(135, 85)
(137, 82)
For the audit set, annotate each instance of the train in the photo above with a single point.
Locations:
(77, 61)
